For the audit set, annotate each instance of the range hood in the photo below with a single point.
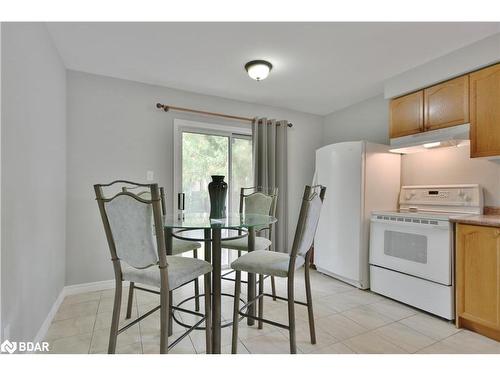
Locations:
(453, 136)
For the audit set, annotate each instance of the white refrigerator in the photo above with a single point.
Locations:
(360, 177)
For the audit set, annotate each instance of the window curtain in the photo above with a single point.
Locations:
(270, 170)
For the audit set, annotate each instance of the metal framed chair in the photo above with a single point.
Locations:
(178, 247)
(283, 265)
(140, 255)
(255, 200)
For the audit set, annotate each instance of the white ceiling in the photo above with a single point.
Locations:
(318, 67)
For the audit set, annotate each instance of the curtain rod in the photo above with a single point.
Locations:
(167, 108)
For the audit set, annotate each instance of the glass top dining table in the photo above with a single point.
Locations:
(203, 221)
(179, 227)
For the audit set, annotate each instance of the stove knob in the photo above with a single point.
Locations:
(409, 195)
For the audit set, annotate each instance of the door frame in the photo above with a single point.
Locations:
(181, 125)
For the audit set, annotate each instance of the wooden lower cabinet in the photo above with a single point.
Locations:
(477, 279)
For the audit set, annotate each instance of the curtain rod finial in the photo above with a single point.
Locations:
(162, 106)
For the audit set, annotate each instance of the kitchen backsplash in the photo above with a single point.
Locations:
(452, 165)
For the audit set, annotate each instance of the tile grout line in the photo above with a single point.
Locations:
(333, 313)
(95, 321)
(139, 323)
(437, 341)
(400, 322)
(374, 329)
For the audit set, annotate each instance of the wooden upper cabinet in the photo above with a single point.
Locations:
(407, 115)
(447, 104)
(477, 274)
(485, 112)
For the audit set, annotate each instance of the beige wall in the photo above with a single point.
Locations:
(452, 166)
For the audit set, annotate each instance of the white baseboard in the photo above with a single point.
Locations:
(88, 287)
(67, 291)
(42, 332)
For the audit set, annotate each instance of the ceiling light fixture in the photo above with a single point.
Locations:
(258, 69)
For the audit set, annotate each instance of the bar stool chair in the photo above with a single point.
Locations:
(178, 247)
(140, 256)
(255, 200)
(282, 265)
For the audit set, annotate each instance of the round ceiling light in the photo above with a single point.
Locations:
(258, 69)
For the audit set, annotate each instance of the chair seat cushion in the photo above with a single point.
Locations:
(266, 262)
(261, 243)
(180, 271)
(182, 246)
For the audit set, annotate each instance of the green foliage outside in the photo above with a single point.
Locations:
(206, 155)
(241, 168)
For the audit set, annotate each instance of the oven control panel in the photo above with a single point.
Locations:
(458, 198)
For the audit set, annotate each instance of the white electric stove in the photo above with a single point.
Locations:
(411, 250)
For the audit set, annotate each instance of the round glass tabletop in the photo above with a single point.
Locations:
(232, 221)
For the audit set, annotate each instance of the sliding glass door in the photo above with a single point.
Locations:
(241, 168)
(203, 155)
(204, 151)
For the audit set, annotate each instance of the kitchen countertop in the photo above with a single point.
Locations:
(484, 220)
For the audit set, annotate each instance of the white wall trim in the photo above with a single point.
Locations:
(68, 291)
(88, 287)
(42, 332)
(246, 129)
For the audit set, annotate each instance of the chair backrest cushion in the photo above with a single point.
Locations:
(258, 203)
(307, 229)
(131, 223)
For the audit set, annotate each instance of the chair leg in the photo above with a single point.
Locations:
(208, 313)
(113, 334)
(291, 316)
(170, 313)
(273, 288)
(196, 286)
(236, 315)
(310, 313)
(261, 301)
(130, 300)
(165, 315)
(273, 281)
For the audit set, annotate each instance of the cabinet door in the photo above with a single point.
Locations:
(447, 104)
(407, 115)
(478, 275)
(485, 112)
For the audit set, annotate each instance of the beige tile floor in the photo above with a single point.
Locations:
(348, 320)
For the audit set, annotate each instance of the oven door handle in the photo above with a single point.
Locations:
(442, 225)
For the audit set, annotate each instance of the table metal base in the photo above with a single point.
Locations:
(213, 250)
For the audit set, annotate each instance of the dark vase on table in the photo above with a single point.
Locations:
(217, 189)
